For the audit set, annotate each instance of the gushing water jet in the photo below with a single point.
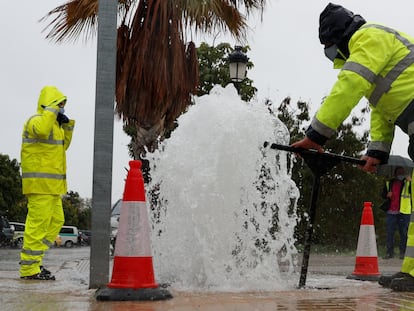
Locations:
(223, 207)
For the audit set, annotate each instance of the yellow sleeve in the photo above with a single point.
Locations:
(381, 132)
(344, 96)
(68, 128)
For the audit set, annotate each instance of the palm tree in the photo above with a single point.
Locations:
(156, 71)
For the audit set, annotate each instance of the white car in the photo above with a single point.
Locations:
(69, 235)
(18, 233)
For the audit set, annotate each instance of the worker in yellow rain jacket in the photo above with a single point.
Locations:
(46, 137)
(376, 62)
(397, 191)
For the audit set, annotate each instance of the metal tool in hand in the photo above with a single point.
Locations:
(319, 163)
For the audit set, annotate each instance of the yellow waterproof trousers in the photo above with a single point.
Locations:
(43, 222)
(408, 263)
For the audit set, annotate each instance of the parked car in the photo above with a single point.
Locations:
(69, 235)
(18, 233)
(6, 231)
(115, 214)
(85, 237)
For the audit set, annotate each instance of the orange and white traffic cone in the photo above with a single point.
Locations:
(366, 263)
(132, 273)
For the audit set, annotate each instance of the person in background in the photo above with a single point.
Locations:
(376, 62)
(46, 137)
(398, 192)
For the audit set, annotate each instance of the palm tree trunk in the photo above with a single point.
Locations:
(146, 139)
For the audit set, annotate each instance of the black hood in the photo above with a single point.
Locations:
(337, 24)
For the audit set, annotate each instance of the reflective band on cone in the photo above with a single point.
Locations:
(366, 262)
(132, 273)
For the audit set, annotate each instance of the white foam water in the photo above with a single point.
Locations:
(223, 207)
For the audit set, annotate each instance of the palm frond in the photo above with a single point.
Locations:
(72, 19)
(76, 18)
(209, 16)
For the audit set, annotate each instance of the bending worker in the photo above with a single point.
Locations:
(46, 137)
(376, 62)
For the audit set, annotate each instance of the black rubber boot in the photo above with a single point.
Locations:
(404, 284)
(385, 280)
(44, 271)
(39, 277)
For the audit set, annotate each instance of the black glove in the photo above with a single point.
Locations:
(61, 118)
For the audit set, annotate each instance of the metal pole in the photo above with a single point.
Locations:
(319, 163)
(309, 230)
(103, 142)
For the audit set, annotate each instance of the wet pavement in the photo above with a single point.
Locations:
(327, 288)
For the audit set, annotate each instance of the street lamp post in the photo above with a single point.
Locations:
(237, 65)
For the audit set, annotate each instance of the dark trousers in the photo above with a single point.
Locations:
(392, 222)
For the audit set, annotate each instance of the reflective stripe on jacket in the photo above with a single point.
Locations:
(405, 196)
(381, 68)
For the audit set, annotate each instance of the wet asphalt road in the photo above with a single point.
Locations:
(327, 289)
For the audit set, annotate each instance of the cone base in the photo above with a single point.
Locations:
(361, 277)
(130, 294)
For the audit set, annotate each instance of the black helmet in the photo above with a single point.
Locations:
(337, 23)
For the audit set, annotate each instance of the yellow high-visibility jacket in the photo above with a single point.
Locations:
(381, 68)
(44, 145)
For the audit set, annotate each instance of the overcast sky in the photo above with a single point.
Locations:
(285, 50)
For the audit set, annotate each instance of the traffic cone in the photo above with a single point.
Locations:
(366, 263)
(132, 273)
